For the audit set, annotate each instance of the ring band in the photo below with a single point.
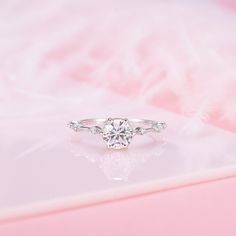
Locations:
(117, 132)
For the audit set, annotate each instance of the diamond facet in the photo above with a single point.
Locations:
(117, 133)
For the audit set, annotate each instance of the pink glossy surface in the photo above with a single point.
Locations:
(207, 209)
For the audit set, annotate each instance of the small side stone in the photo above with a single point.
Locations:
(159, 126)
(95, 130)
(75, 125)
(139, 130)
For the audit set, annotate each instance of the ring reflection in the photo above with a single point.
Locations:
(118, 165)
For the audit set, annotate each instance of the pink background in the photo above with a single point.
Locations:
(168, 60)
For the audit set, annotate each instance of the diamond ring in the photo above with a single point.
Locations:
(117, 132)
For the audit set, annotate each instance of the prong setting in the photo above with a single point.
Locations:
(117, 133)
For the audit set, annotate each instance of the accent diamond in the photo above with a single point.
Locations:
(159, 126)
(75, 125)
(95, 130)
(117, 133)
(139, 130)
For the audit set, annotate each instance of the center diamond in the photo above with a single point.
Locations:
(117, 133)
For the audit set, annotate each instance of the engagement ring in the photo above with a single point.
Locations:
(117, 132)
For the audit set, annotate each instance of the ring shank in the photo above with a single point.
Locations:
(117, 132)
(133, 121)
(139, 126)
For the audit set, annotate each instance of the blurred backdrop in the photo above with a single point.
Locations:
(175, 55)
